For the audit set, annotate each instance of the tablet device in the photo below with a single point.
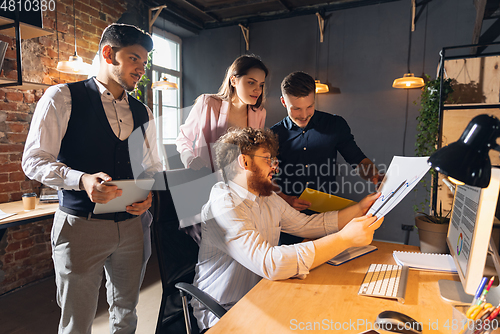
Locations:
(133, 191)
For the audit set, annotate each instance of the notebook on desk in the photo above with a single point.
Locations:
(351, 254)
(425, 261)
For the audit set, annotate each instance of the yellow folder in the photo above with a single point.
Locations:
(322, 202)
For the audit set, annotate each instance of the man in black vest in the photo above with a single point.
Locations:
(79, 138)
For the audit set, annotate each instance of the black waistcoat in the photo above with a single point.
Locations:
(90, 144)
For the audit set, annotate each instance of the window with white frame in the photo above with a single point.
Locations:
(167, 103)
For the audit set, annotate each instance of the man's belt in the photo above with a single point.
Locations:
(116, 216)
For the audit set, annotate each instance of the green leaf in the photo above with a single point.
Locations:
(144, 81)
(428, 126)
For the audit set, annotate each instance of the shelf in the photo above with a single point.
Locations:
(27, 30)
(471, 106)
(25, 86)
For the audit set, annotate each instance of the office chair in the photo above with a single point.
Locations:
(177, 258)
(211, 304)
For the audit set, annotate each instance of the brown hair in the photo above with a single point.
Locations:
(242, 141)
(238, 68)
(298, 84)
(122, 35)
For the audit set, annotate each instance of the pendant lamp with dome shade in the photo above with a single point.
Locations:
(75, 63)
(409, 80)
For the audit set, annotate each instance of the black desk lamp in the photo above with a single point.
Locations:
(467, 159)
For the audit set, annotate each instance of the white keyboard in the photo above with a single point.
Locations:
(386, 281)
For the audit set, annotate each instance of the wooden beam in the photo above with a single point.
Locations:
(321, 23)
(413, 12)
(489, 36)
(213, 17)
(246, 34)
(480, 8)
(295, 12)
(284, 4)
(185, 15)
(236, 4)
(492, 10)
(152, 20)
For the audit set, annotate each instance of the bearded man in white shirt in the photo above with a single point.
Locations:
(79, 138)
(243, 219)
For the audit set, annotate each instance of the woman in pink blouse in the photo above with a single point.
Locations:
(237, 104)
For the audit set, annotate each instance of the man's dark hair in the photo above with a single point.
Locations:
(122, 35)
(298, 84)
(242, 141)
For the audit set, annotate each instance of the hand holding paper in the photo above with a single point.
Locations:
(366, 203)
(389, 198)
(359, 231)
(298, 204)
(402, 176)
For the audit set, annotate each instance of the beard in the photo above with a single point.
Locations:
(259, 183)
(119, 79)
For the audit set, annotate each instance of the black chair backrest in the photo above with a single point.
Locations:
(177, 256)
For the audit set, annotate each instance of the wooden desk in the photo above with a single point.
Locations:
(41, 211)
(329, 297)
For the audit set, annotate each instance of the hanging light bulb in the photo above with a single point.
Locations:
(75, 64)
(408, 81)
(321, 88)
(164, 84)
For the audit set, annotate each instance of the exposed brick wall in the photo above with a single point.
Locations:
(25, 251)
(15, 116)
(25, 255)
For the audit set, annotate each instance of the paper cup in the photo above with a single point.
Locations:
(29, 201)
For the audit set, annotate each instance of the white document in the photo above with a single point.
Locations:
(133, 191)
(402, 176)
(5, 215)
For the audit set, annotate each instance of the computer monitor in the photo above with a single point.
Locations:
(469, 240)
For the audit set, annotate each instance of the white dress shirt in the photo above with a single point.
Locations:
(49, 125)
(239, 244)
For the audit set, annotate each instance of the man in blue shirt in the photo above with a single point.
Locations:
(308, 144)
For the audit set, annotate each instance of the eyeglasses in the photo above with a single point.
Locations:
(273, 162)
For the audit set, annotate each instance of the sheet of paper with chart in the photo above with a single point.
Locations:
(402, 176)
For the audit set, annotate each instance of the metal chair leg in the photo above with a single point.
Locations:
(185, 308)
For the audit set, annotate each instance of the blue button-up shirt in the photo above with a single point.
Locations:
(308, 156)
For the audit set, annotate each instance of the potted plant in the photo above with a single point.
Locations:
(432, 231)
(432, 228)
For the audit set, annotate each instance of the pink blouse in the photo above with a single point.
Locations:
(206, 122)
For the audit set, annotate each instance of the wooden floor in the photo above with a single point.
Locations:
(33, 309)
